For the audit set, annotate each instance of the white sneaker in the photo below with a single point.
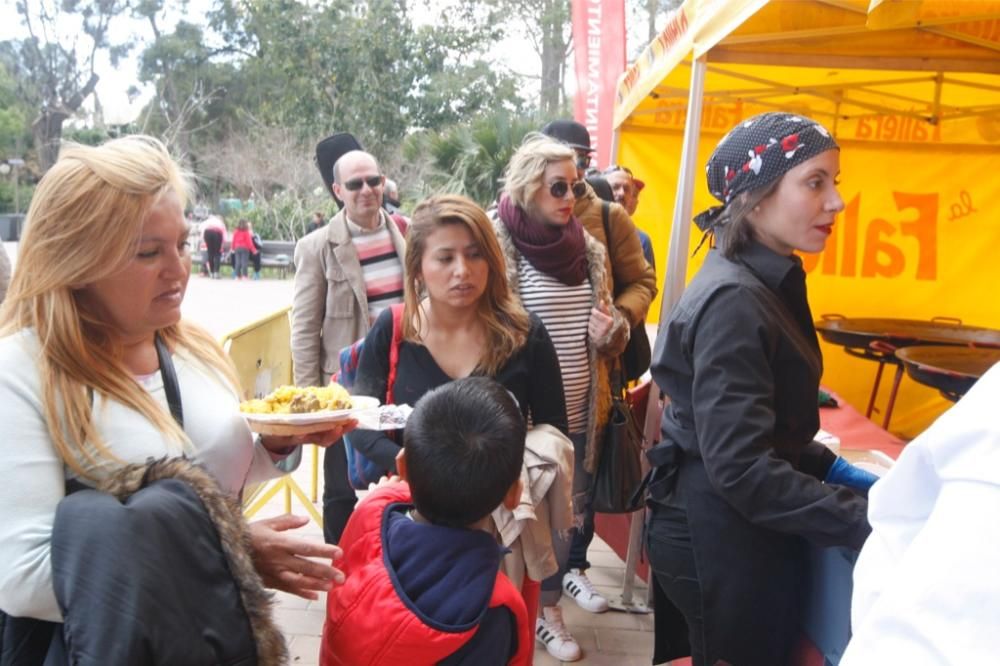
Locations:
(553, 634)
(581, 590)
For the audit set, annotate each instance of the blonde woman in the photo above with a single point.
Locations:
(558, 271)
(90, 330)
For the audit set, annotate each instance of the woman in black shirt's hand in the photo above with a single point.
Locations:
(739, 484)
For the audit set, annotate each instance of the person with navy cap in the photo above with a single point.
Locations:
(739, 486)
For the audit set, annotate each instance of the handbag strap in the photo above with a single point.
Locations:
(170, 385)
(397, 339)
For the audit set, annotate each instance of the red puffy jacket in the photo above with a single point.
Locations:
(415, 593)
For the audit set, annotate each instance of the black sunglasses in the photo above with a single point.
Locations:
(582, 161)
(356, 184)
(559, 189)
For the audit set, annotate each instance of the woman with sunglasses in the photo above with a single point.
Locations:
(559, 273)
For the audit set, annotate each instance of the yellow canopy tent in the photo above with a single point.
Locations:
(911, 90)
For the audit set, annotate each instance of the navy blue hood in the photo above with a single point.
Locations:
(444, 575)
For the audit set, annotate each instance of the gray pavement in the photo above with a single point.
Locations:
(224, 305)
(609, 639)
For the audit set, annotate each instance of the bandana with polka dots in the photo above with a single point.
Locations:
(756, 153)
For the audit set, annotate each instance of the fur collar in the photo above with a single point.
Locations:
(234, 535)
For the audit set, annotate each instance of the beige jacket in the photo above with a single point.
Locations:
(634, 279)
(329, 306)
(546, 506)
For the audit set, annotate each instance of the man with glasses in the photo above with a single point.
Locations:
(634, 288)
(626, 187)
(346, 273)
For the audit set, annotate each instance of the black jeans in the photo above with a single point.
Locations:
(339, 497)
(668, 544)
(213, 247)
(582, 480)
(735, 584)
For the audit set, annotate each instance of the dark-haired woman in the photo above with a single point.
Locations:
(740, 485)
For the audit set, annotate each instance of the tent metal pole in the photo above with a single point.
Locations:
(615, 143)
(673, 286)
(680, 231)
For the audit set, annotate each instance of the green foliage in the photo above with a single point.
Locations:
(14, 113)
(284, 216)
(24, 194)
(91, 136)
(469, 158)
(361, 67)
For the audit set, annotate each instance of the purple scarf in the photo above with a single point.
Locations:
(557, 251)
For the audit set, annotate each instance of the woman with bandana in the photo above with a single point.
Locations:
(739, 485)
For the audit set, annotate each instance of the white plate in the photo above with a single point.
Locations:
(361, 403)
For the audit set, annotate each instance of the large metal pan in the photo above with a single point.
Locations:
(951, 370)
(860, 332)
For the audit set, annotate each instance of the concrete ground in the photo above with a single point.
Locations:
(608, 639)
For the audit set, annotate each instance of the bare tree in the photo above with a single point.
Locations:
(546, 24)
(263, 160)
(57, 73)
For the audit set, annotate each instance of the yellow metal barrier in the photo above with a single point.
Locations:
(262, 354)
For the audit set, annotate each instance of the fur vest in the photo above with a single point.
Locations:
(155, 566)
(602, 352)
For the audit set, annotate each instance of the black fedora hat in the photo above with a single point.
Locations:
(328, 151)
(569, 132)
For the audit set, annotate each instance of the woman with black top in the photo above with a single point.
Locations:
(459, 319)
(740, 486)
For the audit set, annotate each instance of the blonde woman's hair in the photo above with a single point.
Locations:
(84, 225)
(527, 166)
(505, 318)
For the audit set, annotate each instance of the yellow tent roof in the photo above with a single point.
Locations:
(911, 90)
(880, 58)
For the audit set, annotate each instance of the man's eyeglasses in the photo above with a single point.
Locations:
(559, 189)
(355, 184)
(582, 160)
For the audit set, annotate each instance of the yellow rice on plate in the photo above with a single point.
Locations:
(299, 400)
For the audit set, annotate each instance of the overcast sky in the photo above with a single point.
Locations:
(112, 88)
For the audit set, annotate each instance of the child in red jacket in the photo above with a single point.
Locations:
(423, 583)
(242, 246)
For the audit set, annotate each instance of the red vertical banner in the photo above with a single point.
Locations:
(599, 42)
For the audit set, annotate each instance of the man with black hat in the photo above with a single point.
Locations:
(346, 273)
(634, 288)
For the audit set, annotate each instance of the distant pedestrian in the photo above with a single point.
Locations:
(315, 223)
(242, 246)
(258, 245)
(213, 231)
(391, 203)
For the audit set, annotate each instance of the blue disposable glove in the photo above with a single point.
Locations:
(844, 473)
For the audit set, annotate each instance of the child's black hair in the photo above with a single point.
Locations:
(464, 450)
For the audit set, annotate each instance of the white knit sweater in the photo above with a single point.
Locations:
(32, 476)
